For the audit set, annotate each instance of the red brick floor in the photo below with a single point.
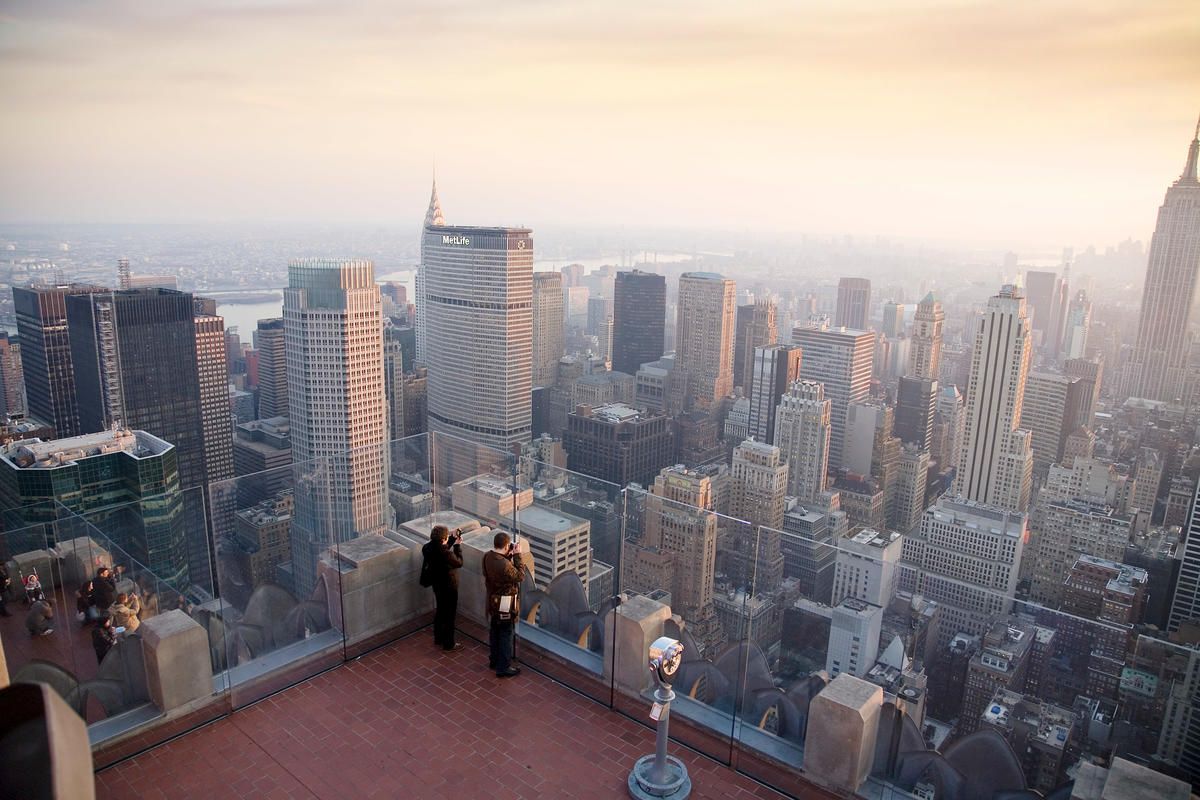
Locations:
(409, 721)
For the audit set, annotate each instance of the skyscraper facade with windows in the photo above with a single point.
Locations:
(272, 369)
(853, 303)
(332, 316)
(125, 481)
(212, 373)
(678, 551)
(966, 557)
(802, 425)
(153, 359)
(774, 368)
(759, 476)
(1044, 295)
(996, 462)
(1158, 365)
(704, 339)
(1186, 603)
(46, 354)
(755, 327)
(136, 366)
(840, 358)
(925, 346)
(547, 327)
(479, 348)
(12, 385)
(1076, 328)
(639, 319)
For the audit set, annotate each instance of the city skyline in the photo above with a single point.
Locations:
(202, 126)
(961, 481)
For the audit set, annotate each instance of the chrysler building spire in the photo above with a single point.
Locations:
(433, 216)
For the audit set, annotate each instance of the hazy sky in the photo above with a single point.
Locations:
(1059, 123)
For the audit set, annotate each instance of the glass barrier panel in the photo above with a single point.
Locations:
(379, 567)
(278, 584)
(800, 639)
(572, 524)
(1020, 695)
(472, 493)
(40, 640)
(670, 587)
(110, 600)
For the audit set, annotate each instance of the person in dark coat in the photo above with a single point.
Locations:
(503, 570)
(104, 593)
(103, 638)
(443, 559)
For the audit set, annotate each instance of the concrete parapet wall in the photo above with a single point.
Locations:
(374, 585)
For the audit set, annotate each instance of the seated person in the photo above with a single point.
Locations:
(39, 621)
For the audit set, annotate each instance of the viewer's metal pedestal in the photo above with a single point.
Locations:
(660, 775)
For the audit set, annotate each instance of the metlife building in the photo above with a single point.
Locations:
(478, 296)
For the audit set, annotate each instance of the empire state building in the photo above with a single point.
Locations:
(1158, 364)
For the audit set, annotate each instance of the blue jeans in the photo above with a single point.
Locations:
(500, 642)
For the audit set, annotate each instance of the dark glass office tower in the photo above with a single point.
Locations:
(272, 369)
(46, 355)
(639, 319)
(135, 357)
(916, 402)
(145, 360)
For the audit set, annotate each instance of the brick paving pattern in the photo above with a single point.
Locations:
(409, 721)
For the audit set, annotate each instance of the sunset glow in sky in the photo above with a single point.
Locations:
(1056, 122)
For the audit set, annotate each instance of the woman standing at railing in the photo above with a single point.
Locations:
(439, 570)
(123, 614)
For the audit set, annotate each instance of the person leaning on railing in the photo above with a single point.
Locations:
(442, 556)
(502, 571)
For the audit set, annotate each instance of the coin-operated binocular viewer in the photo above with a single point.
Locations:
(660, 775)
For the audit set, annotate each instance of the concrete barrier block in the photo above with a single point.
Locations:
(843, 724)
(178, 666)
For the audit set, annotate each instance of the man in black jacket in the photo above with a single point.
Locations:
(443, 559)
(104, 592)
